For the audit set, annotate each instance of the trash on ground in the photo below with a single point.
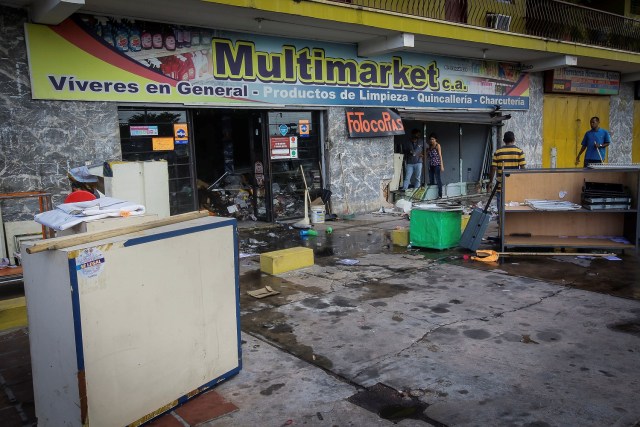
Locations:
(246, 255)
(267, 291)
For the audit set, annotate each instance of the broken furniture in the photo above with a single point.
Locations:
(126, 324)
(9, 241)
(567, 227)
(106, 224)
(144, 182)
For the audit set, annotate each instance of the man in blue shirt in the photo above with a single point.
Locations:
(595, 142)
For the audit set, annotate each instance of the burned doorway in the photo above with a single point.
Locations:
(253, 165)
(293, 147)
(227, 148)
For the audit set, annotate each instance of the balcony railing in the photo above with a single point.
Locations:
(549, 19)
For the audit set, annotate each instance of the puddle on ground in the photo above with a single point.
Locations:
(387, 403)
(632, 328)
(346, 243)
(616, 278)
(256, 279)
(274, 328)
(378, 290)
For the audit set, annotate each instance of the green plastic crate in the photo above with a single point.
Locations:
(435, 229)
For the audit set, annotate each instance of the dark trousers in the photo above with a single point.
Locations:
(434, 177)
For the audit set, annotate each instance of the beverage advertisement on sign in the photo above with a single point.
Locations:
(98, 58)
(582, 80)
(143, 130)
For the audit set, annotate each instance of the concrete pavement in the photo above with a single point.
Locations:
(472, 345)
(423, 337)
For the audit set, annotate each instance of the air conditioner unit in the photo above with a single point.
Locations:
(498, 21)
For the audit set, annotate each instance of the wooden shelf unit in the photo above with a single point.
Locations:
(582, 228)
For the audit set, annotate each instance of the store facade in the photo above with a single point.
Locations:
(257, 113)
(245, 121)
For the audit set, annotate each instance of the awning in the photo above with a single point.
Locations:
(487, 118)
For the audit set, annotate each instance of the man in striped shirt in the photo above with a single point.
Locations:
(506, 157)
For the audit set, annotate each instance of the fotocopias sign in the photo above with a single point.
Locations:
(370, 122)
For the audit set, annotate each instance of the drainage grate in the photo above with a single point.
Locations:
(387, 403)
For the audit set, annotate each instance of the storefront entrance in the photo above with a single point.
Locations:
(247, 164)
(466, 150)
(566, 119)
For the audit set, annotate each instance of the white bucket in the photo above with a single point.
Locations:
(317, 214)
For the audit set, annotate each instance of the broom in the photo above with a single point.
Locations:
(348, 215)
(304, 222)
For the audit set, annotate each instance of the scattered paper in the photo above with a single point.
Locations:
(347, 261)
(620, 240)
(245, 255)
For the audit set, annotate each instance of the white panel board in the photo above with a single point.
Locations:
(154, 316)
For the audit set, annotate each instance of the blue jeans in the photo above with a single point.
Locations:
(434, 178)
(412, 174)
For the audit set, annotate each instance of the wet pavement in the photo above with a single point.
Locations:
(427, 337)
(417, 337)
(371, 235)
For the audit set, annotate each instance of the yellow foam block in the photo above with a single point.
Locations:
(13, 313)
(465, 221)
(400, 237)
(284, 260)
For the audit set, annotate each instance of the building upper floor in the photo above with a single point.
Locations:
(538, 34)
(612, 25)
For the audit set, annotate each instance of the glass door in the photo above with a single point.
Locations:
(293, 150)
(261, 177)
(161, 134)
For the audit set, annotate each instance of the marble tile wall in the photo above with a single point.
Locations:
(356, 167)
(527, 125)
(41, 140)
(621, 125)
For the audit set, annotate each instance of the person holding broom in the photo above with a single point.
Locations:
(595, 143)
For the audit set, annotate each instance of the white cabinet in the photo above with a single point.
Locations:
(122, 328)
(145, 183)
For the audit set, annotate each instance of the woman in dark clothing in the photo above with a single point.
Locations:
(436, 164)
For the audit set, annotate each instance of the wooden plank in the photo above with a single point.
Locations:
(73, 240)
(11, 271)
(569, 241)
(548, 185)
(567, 223)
